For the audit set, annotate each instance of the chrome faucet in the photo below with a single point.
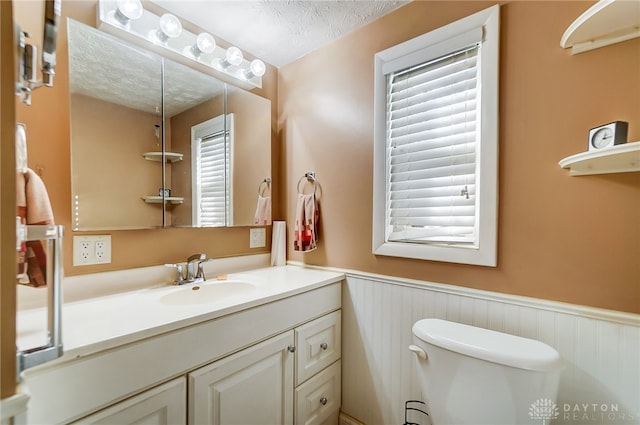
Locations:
(195, 269)
(193, 266)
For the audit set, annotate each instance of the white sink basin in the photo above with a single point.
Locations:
(200, 293)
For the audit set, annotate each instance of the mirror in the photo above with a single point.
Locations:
(155, 143)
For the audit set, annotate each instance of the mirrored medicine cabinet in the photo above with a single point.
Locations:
(155, 143)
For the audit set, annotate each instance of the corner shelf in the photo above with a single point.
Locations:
(616, 159)
(157, 156)
(606, 22)
(158, 199)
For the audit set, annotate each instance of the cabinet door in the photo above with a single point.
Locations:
(251, 387)
(318, 345)
(163, 405)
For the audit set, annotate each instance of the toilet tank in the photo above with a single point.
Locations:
(478, 376)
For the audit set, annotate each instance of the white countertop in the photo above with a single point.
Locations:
(99, 323)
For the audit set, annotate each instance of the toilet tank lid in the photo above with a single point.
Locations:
(492, 346)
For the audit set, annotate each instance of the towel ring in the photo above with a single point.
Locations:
(267, 183)
(311, 177)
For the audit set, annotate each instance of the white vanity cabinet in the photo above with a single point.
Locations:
(274, 360)
(163, 405)
(256, 385)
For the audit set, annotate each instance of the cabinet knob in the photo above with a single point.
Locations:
(323, 401)
(324, 346)
(291, 348)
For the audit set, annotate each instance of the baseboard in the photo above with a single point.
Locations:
(348, 420)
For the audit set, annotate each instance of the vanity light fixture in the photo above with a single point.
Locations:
(128, 10)
(128, 19)
(205, 43)
(232, 57)
(170, 27)
(257, 68)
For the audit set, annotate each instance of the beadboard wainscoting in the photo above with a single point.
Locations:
(601, 348)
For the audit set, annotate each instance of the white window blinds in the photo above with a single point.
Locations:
(432, 143)
(213, 180)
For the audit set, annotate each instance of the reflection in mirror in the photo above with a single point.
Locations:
(187, 176)
(250, 170)
(128, 105)
(227, 157)
(116, 101)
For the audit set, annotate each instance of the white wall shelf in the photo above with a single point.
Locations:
(158, 199)
(606, 22)
(616, 159)
(157, 156)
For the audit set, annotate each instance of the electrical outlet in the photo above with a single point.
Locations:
(257, 237)
(84, 251)
(102, 249)
(94, 249)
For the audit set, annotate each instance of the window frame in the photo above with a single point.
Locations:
(416, 51)
(222, 123)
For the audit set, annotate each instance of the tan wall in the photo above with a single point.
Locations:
(571, 239)
(49, 148)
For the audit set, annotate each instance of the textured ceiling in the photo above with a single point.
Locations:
(279, 31)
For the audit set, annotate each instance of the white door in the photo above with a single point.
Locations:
(163, 405)
(251, 387)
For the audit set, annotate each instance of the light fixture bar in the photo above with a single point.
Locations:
(164, 34)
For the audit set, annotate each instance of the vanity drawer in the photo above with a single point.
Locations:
(319, 398)
(317, 345)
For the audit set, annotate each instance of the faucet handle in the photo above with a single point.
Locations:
(196, 257)
(200, 273)
(180, 279)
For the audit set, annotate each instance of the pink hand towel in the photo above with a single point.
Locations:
(34, 208)
(306, 225)
(263, 211)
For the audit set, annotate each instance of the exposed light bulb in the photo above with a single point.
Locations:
(232, 57)
(257, 68)
(205, 43)
(170, 27)
(127, 10)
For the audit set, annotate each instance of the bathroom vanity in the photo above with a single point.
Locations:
(260, 347)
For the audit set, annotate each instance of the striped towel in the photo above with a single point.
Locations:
(306, 226)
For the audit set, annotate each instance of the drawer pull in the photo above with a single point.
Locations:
(323, 401)
(324, 346)
(291, 348)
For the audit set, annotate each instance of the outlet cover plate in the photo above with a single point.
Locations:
(257, 237)
(91, 249)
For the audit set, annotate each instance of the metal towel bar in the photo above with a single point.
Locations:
(266, 182)
(53, 349)
(310, 176)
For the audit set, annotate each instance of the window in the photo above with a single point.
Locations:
(211, 151)
(436, 144)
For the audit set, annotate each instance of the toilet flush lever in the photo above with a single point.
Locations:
(419, 351)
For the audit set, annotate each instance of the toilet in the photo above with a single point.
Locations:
(472, 376)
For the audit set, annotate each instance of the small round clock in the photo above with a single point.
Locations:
(604, 136)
